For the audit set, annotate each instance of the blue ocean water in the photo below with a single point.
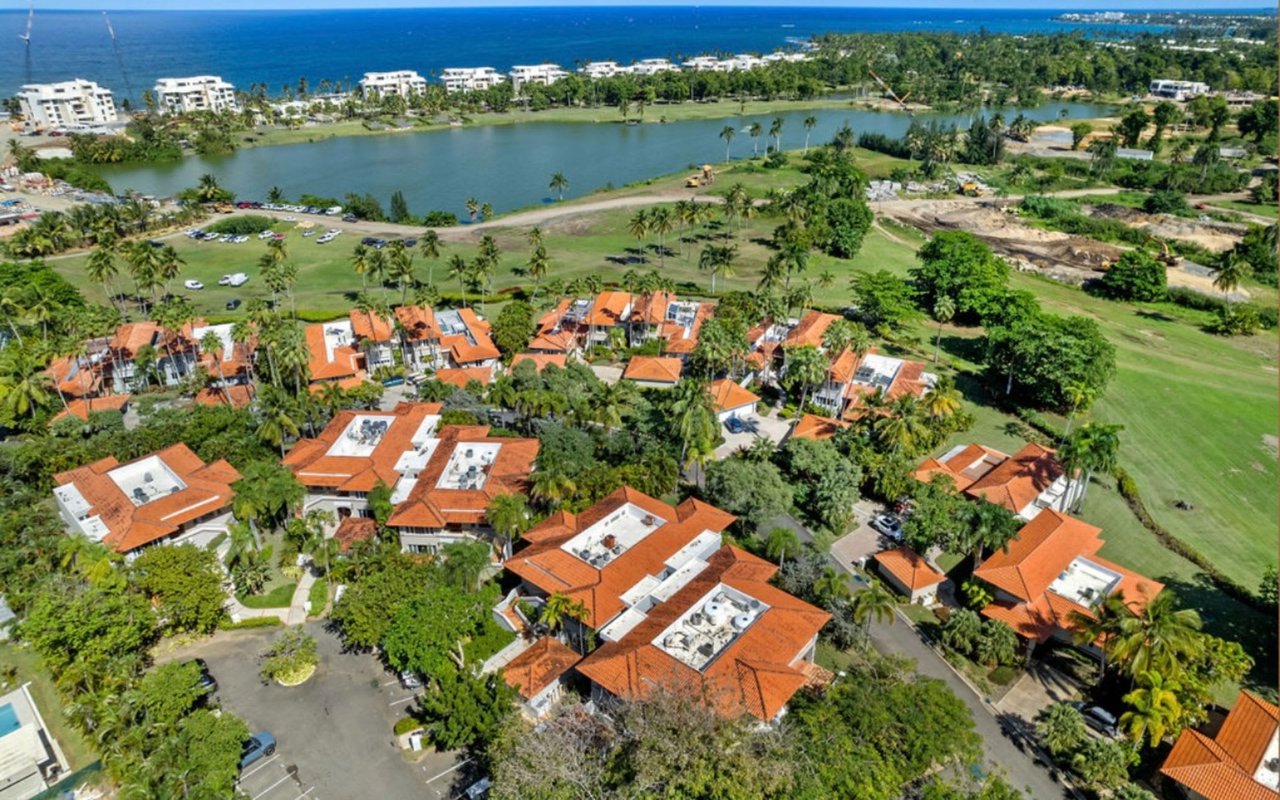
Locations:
(278, 47)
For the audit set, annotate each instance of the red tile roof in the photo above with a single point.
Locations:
(315, 468)
(552, 319)
(428, 506)
(654, 369)
(726, 395)
(810, 330)
(540, 360)
(344, 362)
(82, 408)
(963, 467)
(461, 376)
(419, 323)
(371, 326)
(129, 338)
(238, 396)
(207, 490)
(1019, 480)
(650, 309)
(546, 565)
(911, 570)
(1222, 768)
(354, 529)
(544, 662)
(756, 673)
(74, 376)
(811, 426)
(609, 309)
(553, 342)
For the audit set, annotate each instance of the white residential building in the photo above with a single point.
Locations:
(543, 74)
(1177, 90)
(392, 84)
(67, 104)
(652, 66)
(197, 93)
(471, 79)
(703, 64)
(603, 69)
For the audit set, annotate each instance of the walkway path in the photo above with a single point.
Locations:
(294, 614)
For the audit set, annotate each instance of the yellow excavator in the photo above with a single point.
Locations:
(704, 178)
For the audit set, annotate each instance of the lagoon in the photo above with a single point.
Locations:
(509, 166)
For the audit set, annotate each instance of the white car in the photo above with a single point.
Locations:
(193, 284)
(235, 279)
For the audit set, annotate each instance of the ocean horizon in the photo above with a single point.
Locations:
(279, 47)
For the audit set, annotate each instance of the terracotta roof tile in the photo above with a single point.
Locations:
(544, 564)
(130, 337)
(726, 395)
(82, 408)
(343, 361)
(75, 376)
(962, 467)
(654, 369)
(313, 465)
(354, 529)
(206, 489)
(1040, 551)
(909, 568)
(461, 376)
(810, 330)
(811, 426)
(237, 396)
(429, 506)
(609, 309)
(756, 673)
(371, 326)
(1223, 768)
(552, 319)
(650, 309)
(540, 360)
(419, 323)
(545, 661)
(1019, 480)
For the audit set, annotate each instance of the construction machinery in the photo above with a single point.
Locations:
(900, 100)
(699, 179)
(1165, 257)
(970, 189)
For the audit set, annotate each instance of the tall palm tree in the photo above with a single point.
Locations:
(727, 133)
(660, 222)
(101, 268)
(1081, 396)
(872, 603)
(1160, 637)
(559, 183)
(24, 385)
(718, 260)
(473, 208)
(695, 419)
(638, 226)
(1153, 708)
(509, 516)
(430, 245)
(1230, 269)
(755, 131)
(1093, 447)
(360, 264)
(277, 413)
(944, 308)
(551, 488)
(942, 400)
(400, 269)
(211, 344)
(775, 133)
(780, 542)
(832, 587)
(559, 609)
(460, 270)
(810, 122)
(537, 267)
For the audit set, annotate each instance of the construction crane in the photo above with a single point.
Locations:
(902, 101)
(31, 16)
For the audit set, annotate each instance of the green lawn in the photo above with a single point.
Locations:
(73, 745)
(318, 596)
(275, 596)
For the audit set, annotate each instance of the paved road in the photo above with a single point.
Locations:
(1018, 764)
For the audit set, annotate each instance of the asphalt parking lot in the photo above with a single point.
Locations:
(334, 733)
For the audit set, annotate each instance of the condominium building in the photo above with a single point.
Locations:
(67, 104)
(603, 69)
(1177, 90)
(197, 93)
(392, 84)
(471, 79)
(652, 66)
(542, 74)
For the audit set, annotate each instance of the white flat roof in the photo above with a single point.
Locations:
(710, 625)
(146, 479)
(337, 334)
(1085, 583)
(468, 464)
(612, 536)
(362, 435)
(223, 332)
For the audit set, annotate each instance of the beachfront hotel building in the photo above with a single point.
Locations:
(471, 79)
(542, 74)
(403, 83)
(652, 66)
(602, 69)
(67, 104)
(197, 93)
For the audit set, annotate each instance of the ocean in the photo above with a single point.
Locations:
(279, 47)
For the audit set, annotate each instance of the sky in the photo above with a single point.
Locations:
(1074, 5)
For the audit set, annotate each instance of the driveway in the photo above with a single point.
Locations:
(757, 427)
(334, 732)
(609, 375)
(856, 547)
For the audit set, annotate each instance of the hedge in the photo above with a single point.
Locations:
(1128, 488)
(251, 622)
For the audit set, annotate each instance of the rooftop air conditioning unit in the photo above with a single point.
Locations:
(648, 519)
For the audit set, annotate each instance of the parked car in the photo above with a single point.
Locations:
(888, 525)
(1098, 718)
(193, 284)
(233, 304)
(258, 746)
(734, 425)
(410, 680)
(348, 217)
(208, 683)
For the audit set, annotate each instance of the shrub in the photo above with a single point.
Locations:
(251, 622)
(1166, 201)
(1236, 320)
(1135, 276)
(246, 225)
(406, 725)
(291, 659)
(1002, 676)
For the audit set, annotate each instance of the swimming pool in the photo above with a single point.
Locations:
(8, 720)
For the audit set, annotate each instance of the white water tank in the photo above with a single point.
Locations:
(715, 613)
(741, 621)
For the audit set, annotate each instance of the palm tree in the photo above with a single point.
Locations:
(806, 367)
(360, 264)
(1092, 447)
(277, 412)
(1229, 271)
(430, 245)
(559, 183)
(718, 260)
(460, 271)
(400, 269)
(695, 420)
(101, 268)
(781, 542)
(537, 267)
(473, 208)
(832, 587)
(873, 602)
(211, 344)
(661, 223)
(727, 133)
(1102, 625)
(486, 211)
(942, 400)
(559, 609)
(810, 122)
(1081, 395)
(551, 488)
(775, 133)
(1153, 708)
(24, 385)
(509, 515)
(754, 132)
(1160, 637)
(944, 308)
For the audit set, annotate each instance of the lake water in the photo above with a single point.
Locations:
(510, 166)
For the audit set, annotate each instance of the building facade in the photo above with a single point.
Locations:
(68, 104)
(402, 83)
(197, 93)
(470, 79)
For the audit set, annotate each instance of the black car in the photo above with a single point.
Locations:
(410, 242)
(734, 425)
(368, 241)
(233, 304)
(208, 684)
(348, 217)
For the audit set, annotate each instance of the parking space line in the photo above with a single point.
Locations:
(457, 766)
(258, 768)
(286, 777)
(388, 683)
(304, 794)
(403, 700)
